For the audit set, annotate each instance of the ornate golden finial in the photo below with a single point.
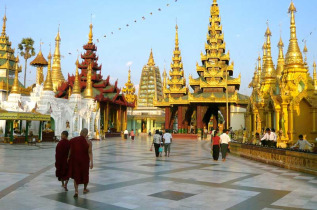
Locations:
(176, 38)
(15, 87)
(129, 75)
(151, 59)
(129, 90)
(88, 90)
(280, 60)
(293, 55)
(90, 36)
(4, 23)
(305, 52)
(314, 72)
(48, 84)
(76, 87)
(269, 66)
(164, 77)
(58, 38)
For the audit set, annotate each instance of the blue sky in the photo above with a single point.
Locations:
(244, 24)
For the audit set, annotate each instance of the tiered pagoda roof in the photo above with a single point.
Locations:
(150, 84)
(215, 73)
(8, 61)
(129, 90)
(177, 82)
(102, 90)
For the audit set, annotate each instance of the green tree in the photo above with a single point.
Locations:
(26, 51)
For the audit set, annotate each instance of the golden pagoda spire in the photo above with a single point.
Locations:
(315, 73)
(129, 89)
(15, 87)
(293, 55)
(269, 70)
(151, 59)
(90, 35)
(280, 60)
(57, 75)
(259, 70)
(76, 87)
(305, 53)
(4, 23)
(176, 38)
(88, 90)
(164, 78)
(48, 84)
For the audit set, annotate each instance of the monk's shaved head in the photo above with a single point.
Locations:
(84, 132)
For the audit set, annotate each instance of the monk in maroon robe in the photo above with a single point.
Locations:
(61, 157)
(80, 158)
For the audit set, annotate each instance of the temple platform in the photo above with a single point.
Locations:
(295, 160)
(185, 136)
(126, 172)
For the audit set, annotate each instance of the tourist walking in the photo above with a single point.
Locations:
(215, 145)
(132, 134)
(224, 142)
(167, 139)
(126, 133)
(61, 157)
(80, 158)
(157, 140)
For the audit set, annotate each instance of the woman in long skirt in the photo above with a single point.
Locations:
(215, 145)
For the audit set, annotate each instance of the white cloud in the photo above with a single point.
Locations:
(129, 63)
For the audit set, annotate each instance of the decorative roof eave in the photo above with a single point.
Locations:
(194, 82)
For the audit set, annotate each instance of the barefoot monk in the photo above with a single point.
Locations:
(61, 155)
(80, 158)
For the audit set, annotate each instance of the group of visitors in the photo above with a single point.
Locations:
(269, 139)
(220, 143)
(126, 134)
(73, 159)
(161, 141)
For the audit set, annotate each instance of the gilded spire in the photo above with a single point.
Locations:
(176, 38)
(15, 87)
(164, 78)
(48, 84)
(293, 55)
(129, 89)
(88, 90)
(259, 70)
(90, 36)
(76, 87)
(151, 60)
(305, 53)
(57, 75)
(280, 60)
(4, 24)
(315, 72)
(269, 70)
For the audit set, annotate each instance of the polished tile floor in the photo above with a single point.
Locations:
(128, 176)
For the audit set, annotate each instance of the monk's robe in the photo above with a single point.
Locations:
(61, 155)
(79, 160)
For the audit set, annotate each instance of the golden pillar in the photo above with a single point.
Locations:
(314, 120)
(269, 119)
(291, 123)
(254, 123)
(285, 120)
(277, 119)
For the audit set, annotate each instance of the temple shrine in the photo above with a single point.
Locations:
(146, 118)
(215, 92)
(285, 97)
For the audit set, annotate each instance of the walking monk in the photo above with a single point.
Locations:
(61, 156)
(80, 157)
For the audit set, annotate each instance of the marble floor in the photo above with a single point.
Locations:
(127, 175)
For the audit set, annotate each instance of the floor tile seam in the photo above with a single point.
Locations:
(286, 207)
(22, 182)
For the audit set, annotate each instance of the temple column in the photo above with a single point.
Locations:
(104, 119)
(107, 117)
(284, 121)
(11, 132)
(148, 125)
(180, 119)
(291, 123)
(199, 120)
(314, 120)
(277, 119)
(167, 117)
(254, 130)
(269, 119)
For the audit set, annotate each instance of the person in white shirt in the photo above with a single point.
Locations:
(274, 143)
(224, 142)
(126, 133)
(167, 138)
(268, 138)
(302, 143)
